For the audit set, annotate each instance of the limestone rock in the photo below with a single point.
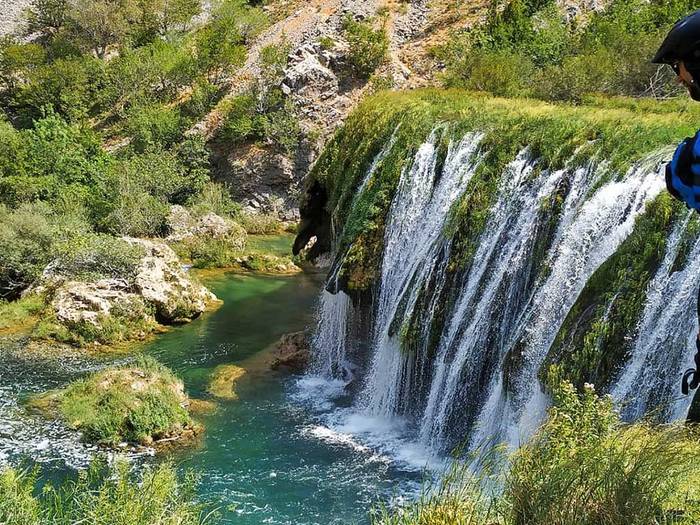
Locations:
(164, 284)
(183, 226)
(78, 302)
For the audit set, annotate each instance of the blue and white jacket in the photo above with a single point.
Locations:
(683, 173)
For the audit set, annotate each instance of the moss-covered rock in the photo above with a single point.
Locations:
(222, 383)
(621, 131)
(596, 335)
(140, 403)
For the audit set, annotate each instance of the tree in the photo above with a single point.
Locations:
(17, 59)
(99, 24)
(47, 17)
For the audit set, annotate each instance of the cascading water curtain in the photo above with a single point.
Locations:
(508, 305)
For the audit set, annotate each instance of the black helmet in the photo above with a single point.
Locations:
(682, 42)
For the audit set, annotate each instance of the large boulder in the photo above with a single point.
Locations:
(78, 302)
(183, 226)
(292, 352)
(163, 283)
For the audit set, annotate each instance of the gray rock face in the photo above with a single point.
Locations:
(183, 226)
(11, 15)
(163, 283)
(160, 287)
(78, 302)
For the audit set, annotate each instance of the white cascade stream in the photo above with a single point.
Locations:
(508, 307)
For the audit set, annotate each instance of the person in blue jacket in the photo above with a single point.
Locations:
(681, 50)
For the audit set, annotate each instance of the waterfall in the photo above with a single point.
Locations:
(330, 339)
(589, 232)
(411, 244)
(651, 377)
(475, 373)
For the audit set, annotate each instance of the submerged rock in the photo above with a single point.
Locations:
(292, 352)
(223, 381)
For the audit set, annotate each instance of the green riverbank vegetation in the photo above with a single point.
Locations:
(94, 113)
(534, 48)
(105, 495)
(139, 403)
(583, 467)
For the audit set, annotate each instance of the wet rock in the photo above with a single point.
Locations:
(223, 381)
(292, 352)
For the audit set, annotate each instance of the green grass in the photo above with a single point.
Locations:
(21, 312)
(103, 495)
(583, 467)
(137, 403)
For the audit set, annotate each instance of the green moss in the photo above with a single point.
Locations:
(618, 130)
(596, 333)
(136, 403)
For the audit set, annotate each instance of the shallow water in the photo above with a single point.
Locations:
(288, 451)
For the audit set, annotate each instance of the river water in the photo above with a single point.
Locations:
(269, 457)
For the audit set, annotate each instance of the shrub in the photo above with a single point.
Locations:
(104, 494)
(260, 223)
(69, 86)
(609, 52)
(136, 402)
(27, 237)
(97, 256)
(153, 127)
(126, 208)
(368, 46)
(583, 467)
(214, 198)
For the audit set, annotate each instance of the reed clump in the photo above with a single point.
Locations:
(583, 467)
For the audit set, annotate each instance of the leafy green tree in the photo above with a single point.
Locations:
(17, 60)
(99, 24)
(70, 86)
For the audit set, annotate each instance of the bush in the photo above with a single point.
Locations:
(260, 223)
(214, 198)
(97, 256)
(27, 238)
(108, 495)
(69, 86)
(368, 46)
(136, 403)
(607, 53)
(126, 208)
(153, 126)
(583, 467)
